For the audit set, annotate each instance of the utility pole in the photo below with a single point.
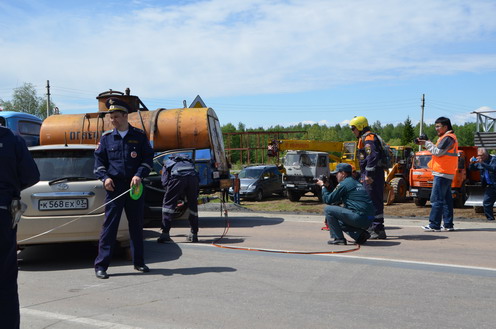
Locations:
(48, 98)
(422, 105)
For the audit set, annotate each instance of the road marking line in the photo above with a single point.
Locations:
(415, 262)
(382, 259)
(75, 319)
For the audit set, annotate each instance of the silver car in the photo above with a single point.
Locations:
(66, 205)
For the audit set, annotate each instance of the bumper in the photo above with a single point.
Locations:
(85, 228)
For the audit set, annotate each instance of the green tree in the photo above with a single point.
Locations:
(25, 99)
(408, 132)
(465, 133)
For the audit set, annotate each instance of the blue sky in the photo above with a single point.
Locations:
(260, 62)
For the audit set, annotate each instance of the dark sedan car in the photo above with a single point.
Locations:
(258, 182)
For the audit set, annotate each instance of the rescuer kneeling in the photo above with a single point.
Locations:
(357, 213)
(179, 178)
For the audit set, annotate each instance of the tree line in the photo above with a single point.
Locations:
(401, 134)
(25, 99)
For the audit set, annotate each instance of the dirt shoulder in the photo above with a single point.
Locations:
(312, 206)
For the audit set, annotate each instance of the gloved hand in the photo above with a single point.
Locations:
(17, 208)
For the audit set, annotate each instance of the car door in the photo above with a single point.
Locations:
(272, 183)
(265, 182)
(278, 186)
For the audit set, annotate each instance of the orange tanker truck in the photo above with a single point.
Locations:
(195, 129)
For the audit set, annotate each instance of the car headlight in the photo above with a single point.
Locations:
(251, 187)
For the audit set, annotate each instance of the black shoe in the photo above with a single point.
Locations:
(364, 236)
(193, 237)
(164, 238)
(142, 268)
(379, 234)
(337, 241)
(101, 274)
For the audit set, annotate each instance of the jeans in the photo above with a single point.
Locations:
(341, 219)
(442, 203)
(236, 198)
(489, 199)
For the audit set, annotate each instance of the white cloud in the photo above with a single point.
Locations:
(218, 48)
(320, 123)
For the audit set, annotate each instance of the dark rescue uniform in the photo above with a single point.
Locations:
(179, 178)
(370, 157)
(121, 159)
(357, 211)
(17, 172)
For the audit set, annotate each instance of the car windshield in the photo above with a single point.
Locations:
(307, 160)
(250, 173)
(55, 164)
(421, 161)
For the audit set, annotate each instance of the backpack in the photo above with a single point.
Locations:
(386, 158)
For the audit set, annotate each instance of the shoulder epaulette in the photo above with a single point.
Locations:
(107, 132)
(138, 130)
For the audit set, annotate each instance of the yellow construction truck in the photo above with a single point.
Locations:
(397, 177)
(307, 160)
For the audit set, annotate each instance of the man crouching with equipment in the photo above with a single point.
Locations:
(357, 213)
(179, 178)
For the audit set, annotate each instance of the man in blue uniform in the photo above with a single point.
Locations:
(371, 171)
(487, 165)
(357, 212)
(122, 159)
(179, 178)
(17, 172)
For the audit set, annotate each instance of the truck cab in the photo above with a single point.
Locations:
(421, 179)
(23, 124)
(303, 168)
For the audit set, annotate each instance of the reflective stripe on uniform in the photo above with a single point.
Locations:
(167, 210)
(98, 169)
(146, 165)
(451, 154)
(194, 213)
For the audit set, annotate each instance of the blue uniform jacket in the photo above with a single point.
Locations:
(352, 194)
(17, 168)
(486, 168)
(177, 167)
(123, 158)
(369, 154)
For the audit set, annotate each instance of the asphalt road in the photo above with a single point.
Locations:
(411, 280)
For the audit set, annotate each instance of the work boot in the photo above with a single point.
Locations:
(378, 234)
(364, 236)
(164, 238)
(193, 237)
(337, 242)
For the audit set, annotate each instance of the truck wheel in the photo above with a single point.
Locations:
(259, 195)
(294, 196)
(420, 202)
(399, 188)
